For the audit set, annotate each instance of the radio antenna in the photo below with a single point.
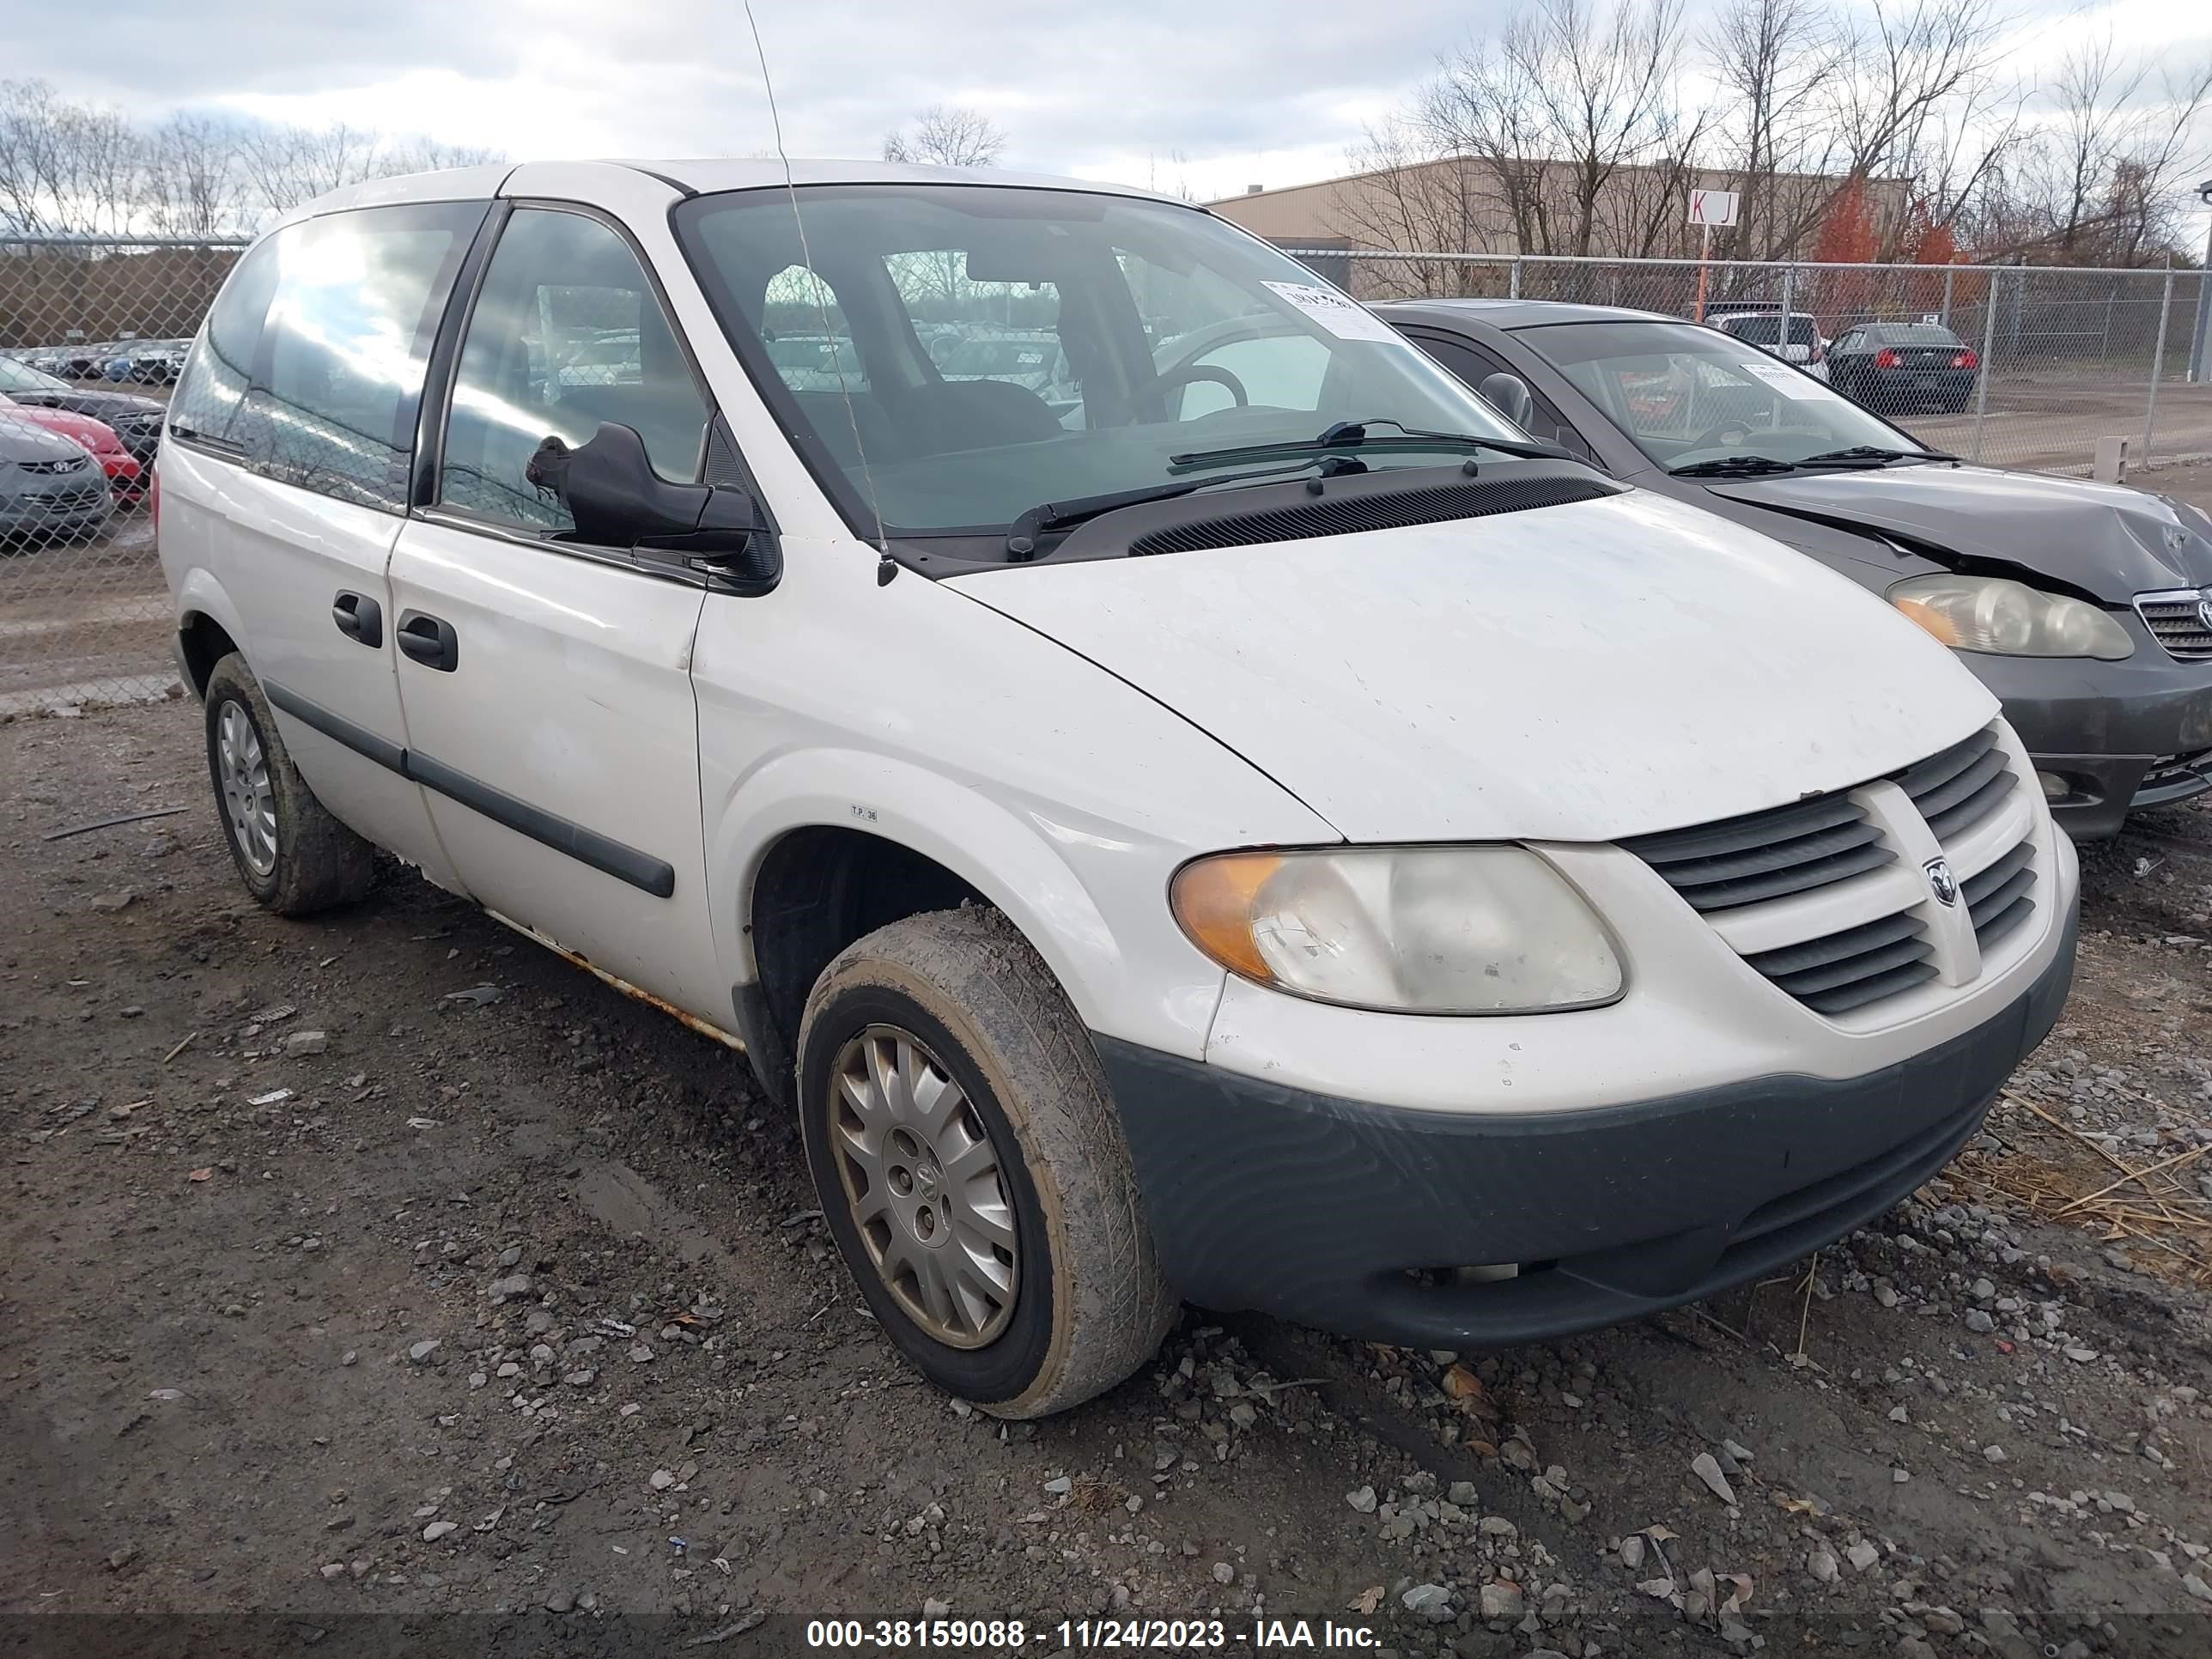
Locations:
(886, 566)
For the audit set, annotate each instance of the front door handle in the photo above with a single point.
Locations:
(429, 641)
(359, 618)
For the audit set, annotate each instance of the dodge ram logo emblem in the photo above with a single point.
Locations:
(1942, 882)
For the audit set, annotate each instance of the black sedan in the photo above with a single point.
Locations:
(136, 420)
(1895, 366)
(2087, 608)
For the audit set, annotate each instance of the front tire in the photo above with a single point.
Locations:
(972, 1168)
(293, 857)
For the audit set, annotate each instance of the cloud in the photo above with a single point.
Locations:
(1247, 91)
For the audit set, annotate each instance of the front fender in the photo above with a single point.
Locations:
(1142, 977)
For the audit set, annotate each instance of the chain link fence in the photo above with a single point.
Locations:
(2052, 362)
(92, 335)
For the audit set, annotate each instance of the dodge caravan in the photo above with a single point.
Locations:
(1268, 832)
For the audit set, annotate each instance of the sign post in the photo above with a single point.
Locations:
(1709, 208)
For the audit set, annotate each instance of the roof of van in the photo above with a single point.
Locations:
(694, 177)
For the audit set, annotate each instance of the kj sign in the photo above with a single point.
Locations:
(1712, 207)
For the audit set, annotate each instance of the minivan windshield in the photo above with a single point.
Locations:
(1687, 395)
(1000, 346)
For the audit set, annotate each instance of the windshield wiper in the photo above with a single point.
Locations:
(1875, 455)
(1732, 466)
(1021, 533)
(1352, 434)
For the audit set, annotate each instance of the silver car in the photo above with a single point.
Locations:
(49, 488)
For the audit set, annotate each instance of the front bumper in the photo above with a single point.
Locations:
(1353, 1216)
(2104, 728)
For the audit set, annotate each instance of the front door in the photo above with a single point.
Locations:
(546, 684)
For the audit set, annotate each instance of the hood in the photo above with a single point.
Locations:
(23, 440)
(106, 405)
(1570, 673)
(82, 430)
(2103, 539)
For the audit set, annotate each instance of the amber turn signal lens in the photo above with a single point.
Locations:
(1931, 619)
(1213, 900)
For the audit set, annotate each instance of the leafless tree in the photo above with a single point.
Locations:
(193, 180)
(949, 136)
(1573, 118)
(2096, 180)
(1407, 192)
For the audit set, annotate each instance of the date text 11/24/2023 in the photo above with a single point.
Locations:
(990, 1636)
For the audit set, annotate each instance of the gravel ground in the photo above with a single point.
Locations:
(387, 1265)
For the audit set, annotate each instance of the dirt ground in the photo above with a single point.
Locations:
(386, 1264)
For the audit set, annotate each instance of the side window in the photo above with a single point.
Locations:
(338, 372)
(213, 383)
(566, 333)
(1472, 365)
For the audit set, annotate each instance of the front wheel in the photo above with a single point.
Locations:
(293, 857)
(972, 1168)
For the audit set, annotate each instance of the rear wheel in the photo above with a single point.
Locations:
(292, 854)
(972, 1168)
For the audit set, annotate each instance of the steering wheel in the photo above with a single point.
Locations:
(1190, 373)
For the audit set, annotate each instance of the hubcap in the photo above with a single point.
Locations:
(924, 1182)
(248, 803)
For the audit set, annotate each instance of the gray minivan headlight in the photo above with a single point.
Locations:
(1427, 930)
(2010, 619)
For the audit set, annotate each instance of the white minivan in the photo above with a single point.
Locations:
(1265, 834)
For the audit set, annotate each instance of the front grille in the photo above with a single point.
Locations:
(67, 464)
(1749, 875)
(1959, 787)
(1766, 855)
(1847, 971)
(66, 501)
(2176, 621)
(2167, 770)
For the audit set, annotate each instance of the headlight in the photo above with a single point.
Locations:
(1427, 930)
(2010, 619)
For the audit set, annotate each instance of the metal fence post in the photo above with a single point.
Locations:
(2200, 364)
(1947, 274)
(1513, 281)
(1988, 366)
(2157, 362)
(1789, 293)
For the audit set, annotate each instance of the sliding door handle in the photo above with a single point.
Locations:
(360, 618)
(429, 641)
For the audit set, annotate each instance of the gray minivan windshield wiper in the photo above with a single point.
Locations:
(1732, 466)
(1353, 434)
(1872, 455)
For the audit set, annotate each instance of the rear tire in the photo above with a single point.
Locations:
(996, 1231)
(293, 857)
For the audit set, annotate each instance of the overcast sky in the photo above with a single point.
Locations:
(1248, 91)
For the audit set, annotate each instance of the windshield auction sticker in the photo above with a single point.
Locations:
(1786, 380)
(1345, 319)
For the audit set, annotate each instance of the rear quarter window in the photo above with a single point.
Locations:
(338, 367)
(212, 387)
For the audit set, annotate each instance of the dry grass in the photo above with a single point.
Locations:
(2053, 1172)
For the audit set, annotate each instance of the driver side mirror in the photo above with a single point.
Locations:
(617, 499)
(1509, 396)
